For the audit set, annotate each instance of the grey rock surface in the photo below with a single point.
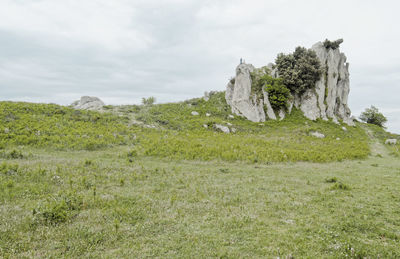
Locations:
(88, 103)
(334, 85)
(222, 128)
(309, 105)
(391, 141)
(238, 95)
(268, 108)
(317, 134)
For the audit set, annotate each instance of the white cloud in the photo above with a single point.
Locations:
(122, 50)
(103, 24)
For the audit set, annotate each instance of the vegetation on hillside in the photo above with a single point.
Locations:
(133, 182)
(373, 116)
(169, 130)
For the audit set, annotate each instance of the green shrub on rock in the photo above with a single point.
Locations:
(332, 44)
(278, 93)
(259, 78)
(300, 70)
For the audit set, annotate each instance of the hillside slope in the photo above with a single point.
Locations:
(171, 131)
(137, 181)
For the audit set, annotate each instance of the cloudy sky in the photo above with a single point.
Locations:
(123, 50)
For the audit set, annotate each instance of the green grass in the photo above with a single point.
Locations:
(169, 130)
(99, 204)
(152, 181)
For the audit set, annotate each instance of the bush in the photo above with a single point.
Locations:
(340, 186)
(332, 44)
(259, 78)
(8, 169)
(148, 101)
(58, 210)
(373, 116)
(14, 154)
(300, 70)
(278, 93)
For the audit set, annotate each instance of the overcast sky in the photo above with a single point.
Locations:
(123, 50)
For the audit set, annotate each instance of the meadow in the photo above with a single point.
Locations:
(152, 181)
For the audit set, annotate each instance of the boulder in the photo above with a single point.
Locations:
(317, 134)
(222, 128)
(194, 113)
(88, 103)
(392, 141)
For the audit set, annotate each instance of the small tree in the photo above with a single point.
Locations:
(148, 101)
(373, 116)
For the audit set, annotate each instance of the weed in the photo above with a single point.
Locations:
(331, 180)
(340, 186)
(9, 169)
(58, 210)
(224, 170)
(14, 154)
(88, 162)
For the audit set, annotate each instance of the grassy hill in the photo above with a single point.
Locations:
(169, 130)
(152, 181)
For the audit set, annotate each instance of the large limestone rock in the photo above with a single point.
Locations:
(238, 95)
(88, 103)
(332, 90)
(328, 100)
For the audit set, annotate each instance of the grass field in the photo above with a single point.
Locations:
(98, 204)
(152, 182)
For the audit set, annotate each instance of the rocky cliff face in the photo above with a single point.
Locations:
(328, 100)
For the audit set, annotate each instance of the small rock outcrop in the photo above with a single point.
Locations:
(327, 100)
(391, 141)
(88, 103)
(317, 134)
(222, 128)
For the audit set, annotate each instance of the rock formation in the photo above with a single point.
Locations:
(88, 103)
(328, 100)
(238, 95)
(392, 141)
